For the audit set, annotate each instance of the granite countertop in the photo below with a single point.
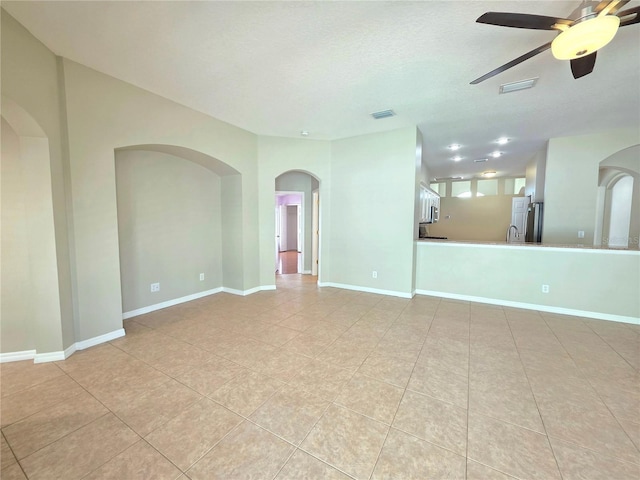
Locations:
(543, 245)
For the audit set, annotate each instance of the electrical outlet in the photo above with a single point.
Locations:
(580, 233)
(545, 288)
(155, 287)
(201, 276)
(374, 274)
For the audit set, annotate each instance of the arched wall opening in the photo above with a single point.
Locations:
(31, 310)
(305, 186)
(618, 200)
(178, 226)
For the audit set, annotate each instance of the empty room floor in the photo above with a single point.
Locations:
(320, 383)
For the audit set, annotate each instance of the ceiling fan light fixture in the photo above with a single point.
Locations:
(585, 37)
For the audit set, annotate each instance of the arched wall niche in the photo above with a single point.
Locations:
(31, 308)
(178, 225)
(618, 200)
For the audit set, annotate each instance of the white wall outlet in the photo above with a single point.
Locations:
(545, 288)
(201, 276)
(580, 233)
(155, 287)
(374, 274)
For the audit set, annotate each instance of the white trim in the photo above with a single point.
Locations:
(107, 337)
(530, 246)
(244, 293)
(17, 356)
(170, 303)
(70, 350)
(306, 272)
(49, 357)
(392, 293)
(267, 287)
(533, 306)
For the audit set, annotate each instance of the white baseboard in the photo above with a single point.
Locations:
(306, 272)
(365, 289)
(244, 293)
(533, 306)
(17, 356)
(170, 303)
(60, 355)
(92, 342)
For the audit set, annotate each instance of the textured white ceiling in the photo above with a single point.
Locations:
(276, 68)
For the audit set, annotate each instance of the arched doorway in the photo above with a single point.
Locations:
(297, 223)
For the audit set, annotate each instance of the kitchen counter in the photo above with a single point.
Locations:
(481, 243)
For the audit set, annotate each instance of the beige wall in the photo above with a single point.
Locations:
(535, 176)
(476, 218)
(30, 78)
(15, 327)
(571, 184)
(601, 282)
(169, 227)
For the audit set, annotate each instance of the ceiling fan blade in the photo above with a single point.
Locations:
(583, 66)
(614, 6)
(513, 63)
(629, 13)
(522, 20)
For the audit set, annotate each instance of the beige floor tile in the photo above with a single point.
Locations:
(390, 369)
(155, 407)
(477, 471)
(371, 397)
(209, 377)
(12, 472)
(301, 465)
(409, 458)
(308, 345)
(246, 392)
(440, 384)
(182, 360)
(247, 452)
(322, 378)
(282, 364)
(346, 354)
(82, 451)
(505, 397)
(298, 322)
(291, 413)
(511, 449)
(6, 455)
(26, 402)
(187, 437)
(346, 440)
(407, 350)
(579, 463)
(140, 461)
(633, 431)
(52, 423)
(276, 335)
(432, 420)
(247, 352)
(17, 376)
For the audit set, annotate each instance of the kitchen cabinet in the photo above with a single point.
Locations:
(430, 205)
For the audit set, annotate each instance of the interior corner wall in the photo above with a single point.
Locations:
(372, 211)
(105, 114)
(571, 183)
(535, 176)
(30, 78)
(232, 232)
(277, 155)
(169, 227)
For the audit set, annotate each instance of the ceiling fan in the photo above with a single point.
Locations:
(590, 27)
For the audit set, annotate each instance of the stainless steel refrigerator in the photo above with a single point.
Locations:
(534, 223)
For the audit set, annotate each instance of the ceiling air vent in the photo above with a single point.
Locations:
(480, 160)
(383, 114)
(515, 86)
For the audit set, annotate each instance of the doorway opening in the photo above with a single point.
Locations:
(297, 224)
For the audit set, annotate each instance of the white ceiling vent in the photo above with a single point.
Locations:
(383, 114)
(515, 86)
(480, 160)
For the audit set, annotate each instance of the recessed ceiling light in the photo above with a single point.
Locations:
(496, 154)
(502, 141)
(304, 133)
(454, 146)
(457, 158)
(489, 174)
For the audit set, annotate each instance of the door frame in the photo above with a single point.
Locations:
(282, 193)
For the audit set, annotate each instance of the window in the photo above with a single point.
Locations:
(440, 188)
(487, 187)
(461, 189)
(512, 186)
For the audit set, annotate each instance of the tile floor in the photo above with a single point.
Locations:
(308, 383)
